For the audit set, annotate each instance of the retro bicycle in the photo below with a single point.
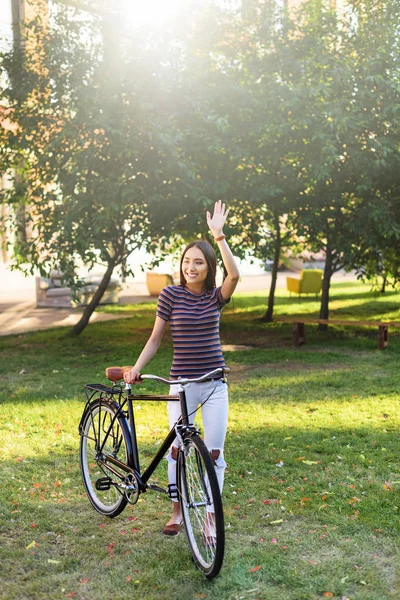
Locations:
(110, 468)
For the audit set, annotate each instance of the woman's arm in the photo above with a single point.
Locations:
(153, 344)
(216, 224)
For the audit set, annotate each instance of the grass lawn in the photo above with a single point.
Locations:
(311, 492)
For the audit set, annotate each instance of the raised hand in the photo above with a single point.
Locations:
(217, 221)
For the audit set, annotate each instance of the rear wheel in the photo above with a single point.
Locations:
(105, 433)
(201, 505)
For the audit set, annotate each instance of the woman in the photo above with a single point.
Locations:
(193, 309)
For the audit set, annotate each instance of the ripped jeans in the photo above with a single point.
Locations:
(215, 421)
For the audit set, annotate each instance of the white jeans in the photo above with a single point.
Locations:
(215, 420)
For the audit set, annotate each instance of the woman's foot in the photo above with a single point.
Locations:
(209, 533)
(173, 527)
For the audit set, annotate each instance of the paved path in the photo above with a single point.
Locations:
(18, 312)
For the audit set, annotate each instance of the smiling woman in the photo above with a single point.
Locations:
(193, 310)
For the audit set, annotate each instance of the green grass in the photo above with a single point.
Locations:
(311, 492)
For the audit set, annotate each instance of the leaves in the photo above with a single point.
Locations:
(255, 569)
(31, 545)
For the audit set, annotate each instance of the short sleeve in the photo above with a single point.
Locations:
(221, 302)
(164, 306)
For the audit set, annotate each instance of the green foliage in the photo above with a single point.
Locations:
(125, 140)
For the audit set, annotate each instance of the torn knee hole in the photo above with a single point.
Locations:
(174, 452)
(214, 456)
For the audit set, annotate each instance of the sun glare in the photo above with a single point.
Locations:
(151, 12)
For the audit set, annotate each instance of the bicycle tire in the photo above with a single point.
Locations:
(198, 489)
(100, 416)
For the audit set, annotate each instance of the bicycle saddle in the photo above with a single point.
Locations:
(116, 373)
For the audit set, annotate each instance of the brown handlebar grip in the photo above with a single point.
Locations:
(116, 373)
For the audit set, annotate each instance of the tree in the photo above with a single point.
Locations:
(350, 94)
(94, 160)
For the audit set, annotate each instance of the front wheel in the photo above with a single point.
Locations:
(105, 433)
(201, 505)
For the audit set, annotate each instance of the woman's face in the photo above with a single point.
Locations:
(194, 266)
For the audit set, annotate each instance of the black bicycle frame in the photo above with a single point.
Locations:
(135, 468)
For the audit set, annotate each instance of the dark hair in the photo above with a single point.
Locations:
(211, 260)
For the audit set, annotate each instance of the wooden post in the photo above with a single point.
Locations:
(298, 335)
(383, 332)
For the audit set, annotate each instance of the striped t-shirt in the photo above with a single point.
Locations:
(194, 321)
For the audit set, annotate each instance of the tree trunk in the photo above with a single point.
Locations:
(326, 284)
(384, 282)
(267, 318)
(93, 304)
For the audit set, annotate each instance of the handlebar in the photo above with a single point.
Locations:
(184, 380)
(117, 373)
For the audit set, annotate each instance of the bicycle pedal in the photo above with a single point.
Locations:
(103, 484)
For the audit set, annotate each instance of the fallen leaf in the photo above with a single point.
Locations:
(276, 522)
(52, 561)
(254, 569)
(84, 580)
(31, 545)
(309, 462)
(328, 595)
(111, 548)
(36, 485)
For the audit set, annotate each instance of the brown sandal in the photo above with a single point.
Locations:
(210, 541)
(172, 530)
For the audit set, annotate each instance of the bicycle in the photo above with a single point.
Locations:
(110, 468)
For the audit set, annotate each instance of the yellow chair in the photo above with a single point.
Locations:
(310, 282)
(157, 281)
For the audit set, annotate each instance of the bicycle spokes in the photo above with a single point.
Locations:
(201, 506)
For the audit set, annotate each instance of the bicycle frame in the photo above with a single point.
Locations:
(128, 399)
